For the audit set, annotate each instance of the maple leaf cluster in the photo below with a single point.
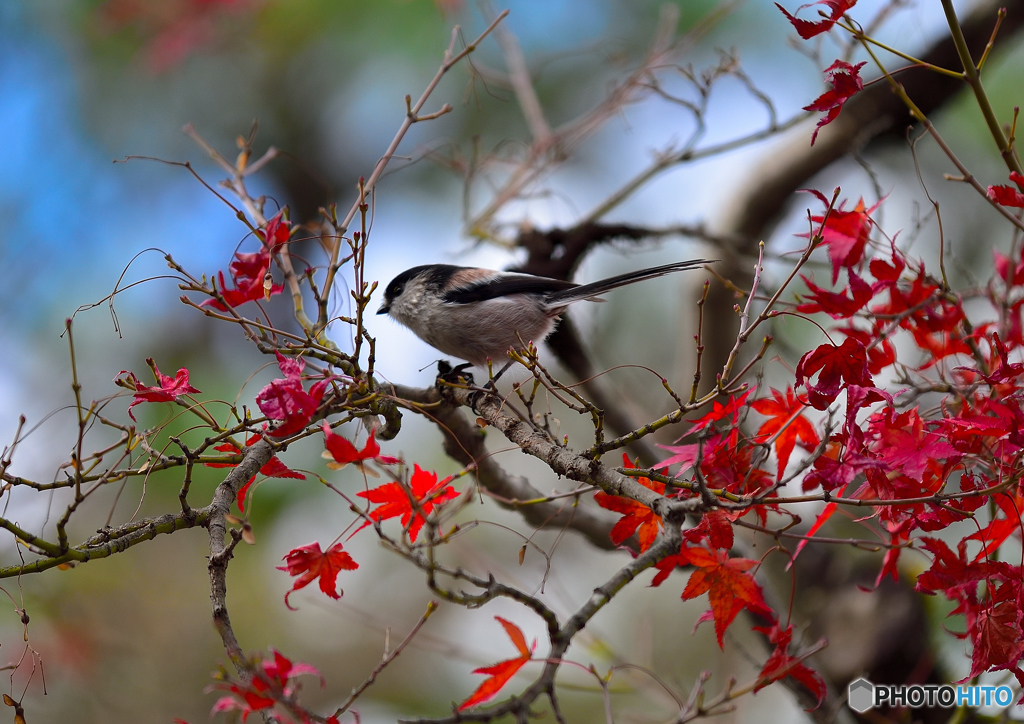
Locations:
(292, 407)
(411, 503)
(923, 469)
(250, 272)
(842, 76)
(973, 443)
(993, 618)
(724, 460)
(918, 469)
(721, 459)
(273, 681)
(287, 402)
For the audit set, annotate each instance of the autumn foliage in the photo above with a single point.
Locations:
(499, 674)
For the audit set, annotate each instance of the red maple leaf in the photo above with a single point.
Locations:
(634, 515)
(999, 529)
(308, 562)
(286, 401)
(248, 272)
(904, 445)
(996, 637)
(993, 625)
(844, 232)
(715, 527)
(847, 363)
(247, 269)
(720, 532)
(273, 469)
(169, 389)
(882, 354)
(500, 673)
(1006, 371)
(732, 409)
(276, 232)
(846, 83)
(281, 669)
(888, 274)
(786, 422)
(1011, 276)
(1008, 195)
(837, 304)
(728, 585)
(808, 29)
(342, 452)
(412, 503)
(950, 571)
(685, 455)
(781, 664)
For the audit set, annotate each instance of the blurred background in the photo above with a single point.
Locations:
(86, 83)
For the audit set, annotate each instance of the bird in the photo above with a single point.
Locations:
(479, 315)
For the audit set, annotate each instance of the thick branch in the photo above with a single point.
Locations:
(109, 541)
(464, 442)
(220, 554)
(564, 461)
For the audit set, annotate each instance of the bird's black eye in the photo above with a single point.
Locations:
(397, 285)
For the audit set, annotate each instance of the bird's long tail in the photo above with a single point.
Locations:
(589, 291)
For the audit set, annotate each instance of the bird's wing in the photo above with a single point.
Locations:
(503, 285)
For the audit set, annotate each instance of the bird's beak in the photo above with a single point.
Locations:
(384, 308)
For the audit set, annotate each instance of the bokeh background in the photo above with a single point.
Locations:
(86, 83)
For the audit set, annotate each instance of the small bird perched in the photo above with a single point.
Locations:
(479, 314)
